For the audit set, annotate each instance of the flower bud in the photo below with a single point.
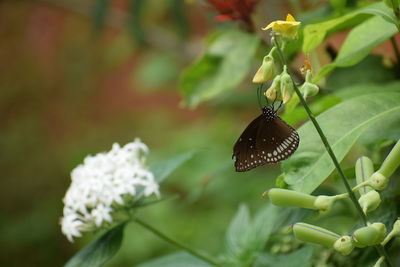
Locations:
(344, 245)
(370, 201)
(266, 72)
(308, 88)
(271, 93)
(378, 181)
(286, 86)
(364, 170)
(367, 236)
(274, 91)
(290, 198)
(314, 234)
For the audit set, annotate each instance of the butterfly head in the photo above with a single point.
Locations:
(268, 113)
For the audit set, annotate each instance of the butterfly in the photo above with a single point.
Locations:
(268, 139)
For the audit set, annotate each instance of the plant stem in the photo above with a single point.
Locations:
(176, 243)
(328, 148)
(395, 49)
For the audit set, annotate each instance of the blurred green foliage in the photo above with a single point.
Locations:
(80, 75)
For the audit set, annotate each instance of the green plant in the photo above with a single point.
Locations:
(348, 113)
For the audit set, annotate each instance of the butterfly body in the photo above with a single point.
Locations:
(266, 140)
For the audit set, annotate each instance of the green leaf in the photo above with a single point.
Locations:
(366, 89)
(236, 234)
(223, 66)
(99, 251)
(369, 70)
(163, 169)
(299, 114)
(261, 228)
(180, 259)
(314, 34)
(362, 39)
(298, 258)
(380, 9)
(343, 125)
(245, 237)
(359, 43)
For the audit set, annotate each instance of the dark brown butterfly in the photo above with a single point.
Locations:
(267, 139)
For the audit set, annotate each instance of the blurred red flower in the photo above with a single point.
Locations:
(234, 9)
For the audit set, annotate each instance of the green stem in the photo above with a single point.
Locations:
(341, 196)
(176, 243)
(328, 148)
(361, 185)
(379, 261)
(395, 49)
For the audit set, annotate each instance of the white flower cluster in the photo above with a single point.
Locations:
(101, 183)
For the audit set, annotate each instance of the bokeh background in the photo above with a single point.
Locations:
(77, 76)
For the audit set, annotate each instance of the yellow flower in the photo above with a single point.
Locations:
(286, 28)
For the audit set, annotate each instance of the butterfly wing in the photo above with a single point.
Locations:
(276, 141)
(267, 139)
(244, 149)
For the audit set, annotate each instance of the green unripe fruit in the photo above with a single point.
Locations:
(364, 170)
(314, 234)
(290, 198)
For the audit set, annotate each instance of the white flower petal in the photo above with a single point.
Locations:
(101, 182)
